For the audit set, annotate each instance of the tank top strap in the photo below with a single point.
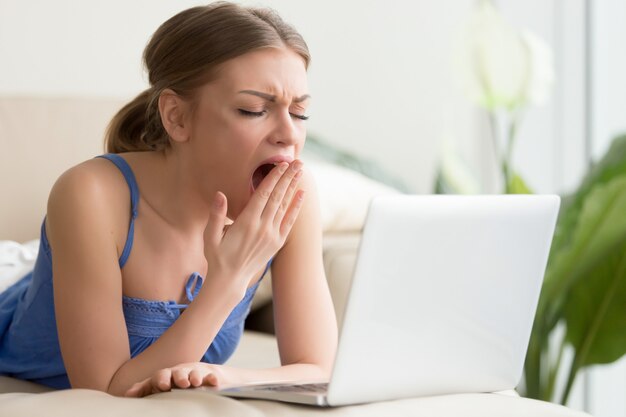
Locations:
(123, 166)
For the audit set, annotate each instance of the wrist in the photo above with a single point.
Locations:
(230, 286)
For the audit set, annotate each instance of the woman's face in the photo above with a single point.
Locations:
(252, 112)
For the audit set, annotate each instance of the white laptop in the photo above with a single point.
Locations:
(442, 300)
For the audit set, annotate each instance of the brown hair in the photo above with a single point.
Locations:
(184, 53)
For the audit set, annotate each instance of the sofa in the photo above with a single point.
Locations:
(40, 137)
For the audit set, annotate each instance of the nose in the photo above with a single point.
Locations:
(286, 131)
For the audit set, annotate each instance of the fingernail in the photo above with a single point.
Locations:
(218, 201)
(298, 174)
(283, 166)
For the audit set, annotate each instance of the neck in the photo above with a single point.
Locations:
(174, 192)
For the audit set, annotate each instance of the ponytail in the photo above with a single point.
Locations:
(137, 126)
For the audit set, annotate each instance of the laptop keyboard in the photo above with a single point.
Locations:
(316, 388)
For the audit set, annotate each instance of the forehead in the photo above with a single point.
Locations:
(276, 71)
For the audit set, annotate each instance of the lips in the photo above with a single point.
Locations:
(265, 167)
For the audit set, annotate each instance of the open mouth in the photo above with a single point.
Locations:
(260, 173)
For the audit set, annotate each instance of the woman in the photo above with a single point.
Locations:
(151, 254)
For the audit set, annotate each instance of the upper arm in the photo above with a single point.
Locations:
(86, 276)
(305, 322)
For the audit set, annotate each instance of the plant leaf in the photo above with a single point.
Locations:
(517, 186)
(612, 165)
(595, 311)
(600, 228)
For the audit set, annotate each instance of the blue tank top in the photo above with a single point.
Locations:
(29, 344)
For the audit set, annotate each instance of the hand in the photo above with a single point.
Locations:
(259, 231)
(186, 375)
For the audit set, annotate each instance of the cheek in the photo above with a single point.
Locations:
(244, 134)
(235, 130)
(221, 134)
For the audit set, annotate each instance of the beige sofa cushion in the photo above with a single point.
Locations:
(197, 403)
(344, 195)
(21, 398)
(40, 139)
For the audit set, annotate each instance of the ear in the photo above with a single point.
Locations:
(173, 110)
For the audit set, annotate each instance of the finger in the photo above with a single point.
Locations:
(138, 389)
(264, 190)
(195, 377)
(287, 198)
(145, 388)
(132, 391)
(180, 377)
(210, 380)
(217, 216)
(162, 380)
(292, 213)
(278, 193)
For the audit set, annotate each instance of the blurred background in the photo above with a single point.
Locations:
(428, 92)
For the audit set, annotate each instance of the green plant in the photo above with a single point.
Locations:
(585, 282)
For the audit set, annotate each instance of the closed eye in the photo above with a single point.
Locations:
(251, 113)
(299, 116)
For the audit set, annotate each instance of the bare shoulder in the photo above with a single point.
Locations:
(91, 194)
(93, 178)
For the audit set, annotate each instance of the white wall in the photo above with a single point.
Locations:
(380, 73)
(608, 73)
(68, 47)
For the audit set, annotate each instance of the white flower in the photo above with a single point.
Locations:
(541, 69)
(501, 67)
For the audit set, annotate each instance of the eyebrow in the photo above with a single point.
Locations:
(272, 98)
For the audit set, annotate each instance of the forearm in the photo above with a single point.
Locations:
(293, 373)
(185, 341)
